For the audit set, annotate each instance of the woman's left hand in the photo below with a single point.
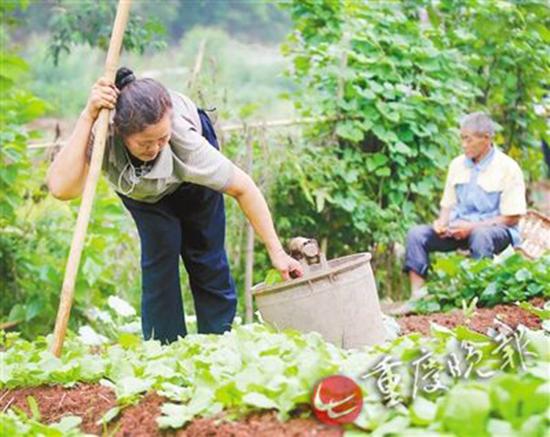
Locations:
(286, 265)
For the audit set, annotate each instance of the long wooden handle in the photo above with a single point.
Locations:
(67, 292)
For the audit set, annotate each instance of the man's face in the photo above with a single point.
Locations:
(474, 144)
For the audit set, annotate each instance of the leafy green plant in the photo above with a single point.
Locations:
(542, 313)
(468, 309)
(396, 97)
(508, 278)
(256, 368)
(17, 107)
(17, 423)
(34, 247)
(273, 277)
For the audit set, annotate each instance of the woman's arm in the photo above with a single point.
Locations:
(254, 206)
(67, 173)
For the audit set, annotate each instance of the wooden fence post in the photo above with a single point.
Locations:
(196, 68)
(249, 265)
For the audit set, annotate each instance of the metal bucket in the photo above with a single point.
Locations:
(338, 299)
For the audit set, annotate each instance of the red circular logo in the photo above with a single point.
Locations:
(337, 400)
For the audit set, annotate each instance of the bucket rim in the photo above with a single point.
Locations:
(362, 257)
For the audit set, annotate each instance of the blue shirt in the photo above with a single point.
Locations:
(473, 203)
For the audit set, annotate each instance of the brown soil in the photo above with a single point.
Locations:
(481, 321)
(91, 402)
(260, 425)
(140, 420)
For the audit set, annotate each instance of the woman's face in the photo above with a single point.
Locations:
(147, 144)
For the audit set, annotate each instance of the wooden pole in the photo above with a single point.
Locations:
(343, 66)
(9, 325)
(249, 265)
(279, 123)
(324, 245)
(71, 270)
(197, 68)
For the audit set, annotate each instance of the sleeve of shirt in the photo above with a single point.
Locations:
(449, 193)
(512, 200)
(198, 161)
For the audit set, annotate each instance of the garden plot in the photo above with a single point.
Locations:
(255, 381)
(490, 346)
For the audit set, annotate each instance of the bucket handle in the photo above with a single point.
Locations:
(322, 260)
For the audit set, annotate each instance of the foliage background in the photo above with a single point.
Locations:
(393, 78)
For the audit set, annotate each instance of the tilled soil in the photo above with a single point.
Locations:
(480, 321)
(140, 420)
(88, 401)
(91, 402)
(260, 425)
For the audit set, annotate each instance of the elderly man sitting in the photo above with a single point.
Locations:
(482, 203)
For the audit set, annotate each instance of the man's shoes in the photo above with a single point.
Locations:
(399, 308)
(404, 308)
(419, 294)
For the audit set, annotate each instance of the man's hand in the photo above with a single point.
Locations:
(461, 229)
(286, 265)
(439, 226)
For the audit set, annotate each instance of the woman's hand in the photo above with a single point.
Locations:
(104, 94)
(254, 206)
(286, 265)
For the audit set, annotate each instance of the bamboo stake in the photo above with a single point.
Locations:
(249, 265)
(324, 245)
(278, 123)
(197, 68)
(71, 270)
(9, 325)
(249, 272)
(343, 66)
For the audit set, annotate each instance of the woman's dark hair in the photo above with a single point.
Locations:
(142, 102)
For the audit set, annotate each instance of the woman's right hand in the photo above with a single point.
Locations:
(104, 94)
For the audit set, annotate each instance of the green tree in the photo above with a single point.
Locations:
(507, 47)
(396, 97)
(90, 22)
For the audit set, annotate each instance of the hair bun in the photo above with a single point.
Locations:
(123, 77)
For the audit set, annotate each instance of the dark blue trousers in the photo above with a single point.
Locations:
(189, 223)
(483, 242)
